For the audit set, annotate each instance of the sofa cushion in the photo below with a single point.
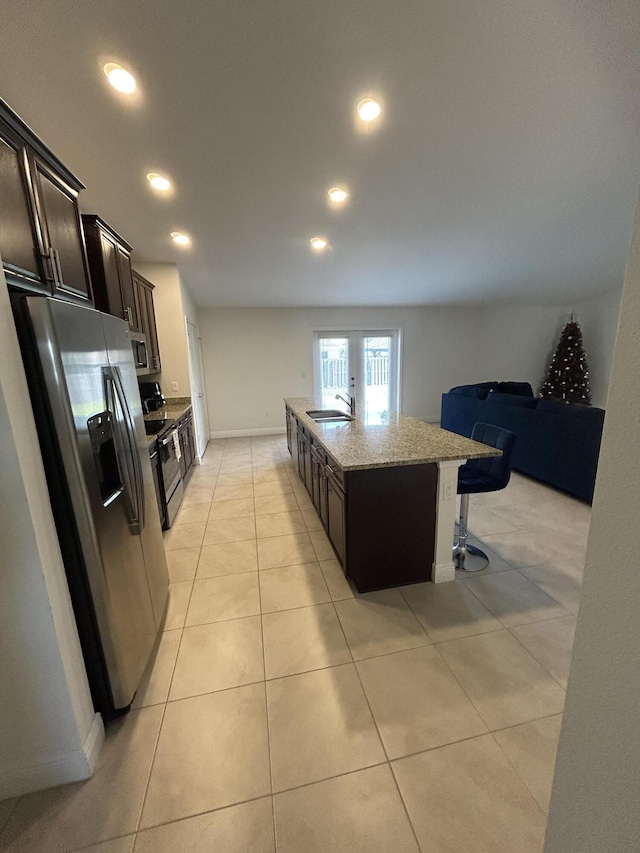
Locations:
(479, 390)
(524, 389)
(512, 400)
(571, 410)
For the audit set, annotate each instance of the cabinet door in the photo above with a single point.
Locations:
(111, 276)
(18, 242)
(62, 232)
(336, 517)
(294, 440)
(184, 451)
(318, 487)
(287, 420)
(130, 312)
(304, 460)
(141, 309)
(155, 470)
(151, 331)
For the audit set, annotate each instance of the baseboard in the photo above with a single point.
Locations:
(19, 778)
(94, 742)
(247, 433)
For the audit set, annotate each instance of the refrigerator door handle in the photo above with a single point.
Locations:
(138, 509)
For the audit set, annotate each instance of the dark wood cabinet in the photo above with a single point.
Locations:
(143, 295)
(336, 514)
(110, 264)
(304, 458)
(41, 238)
(187, 444)
(380, 521)
(156, 470)
(318, 484)
(17, 237)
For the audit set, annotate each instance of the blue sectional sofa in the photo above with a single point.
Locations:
(557, 443)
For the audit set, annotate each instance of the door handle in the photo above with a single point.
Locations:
(138, 516)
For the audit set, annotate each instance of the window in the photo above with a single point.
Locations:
(362, 363)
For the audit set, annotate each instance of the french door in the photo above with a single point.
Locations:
(362, 363)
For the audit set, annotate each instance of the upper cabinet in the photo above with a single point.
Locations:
(41, 238)
(110, 265)
(143, 291)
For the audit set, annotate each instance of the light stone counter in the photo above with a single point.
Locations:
(355, 445)
(403, 441)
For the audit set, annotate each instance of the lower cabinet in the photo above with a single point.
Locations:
(304, 458)
(187, 444)
(336, 515)
(154, 458)
(380, 521)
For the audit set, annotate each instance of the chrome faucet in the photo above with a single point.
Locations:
(351, 402)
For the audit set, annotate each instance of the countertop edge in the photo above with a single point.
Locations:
(299, 405)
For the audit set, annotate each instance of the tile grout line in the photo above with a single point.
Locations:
(518, 774)
(518, 640)
(384, 748)
(266, 701)
(175, 663)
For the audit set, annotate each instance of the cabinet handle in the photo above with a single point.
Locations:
(127, 312)
(51, 268)
(56, 255)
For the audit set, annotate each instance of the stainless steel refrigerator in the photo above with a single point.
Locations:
(82, 380)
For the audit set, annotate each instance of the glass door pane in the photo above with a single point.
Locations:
(376, 377)
(334, 370)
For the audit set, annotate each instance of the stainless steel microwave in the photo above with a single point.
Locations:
(139, 347)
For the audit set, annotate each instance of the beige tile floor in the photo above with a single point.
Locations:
(284, 712)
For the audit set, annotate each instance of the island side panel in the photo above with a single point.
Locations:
(447, 490)
(391, 520)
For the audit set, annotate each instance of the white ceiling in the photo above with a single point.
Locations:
(504, 168)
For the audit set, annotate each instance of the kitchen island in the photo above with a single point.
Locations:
(385, 493)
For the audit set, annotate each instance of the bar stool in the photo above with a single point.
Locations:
(481, 475)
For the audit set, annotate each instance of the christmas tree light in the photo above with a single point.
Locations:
(568, 376)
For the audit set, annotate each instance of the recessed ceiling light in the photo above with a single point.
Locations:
(120, 78)
(159, 182)
(338, 194)
(180, 238)
(368, 109)
(318, 244)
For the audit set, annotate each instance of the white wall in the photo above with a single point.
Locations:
(596, 794)
(255, 357)
(171, 302)
(49, 733)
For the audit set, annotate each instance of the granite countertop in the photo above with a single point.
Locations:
(175, 408)
(402, 441)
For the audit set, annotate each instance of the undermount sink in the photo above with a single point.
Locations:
(328, 415)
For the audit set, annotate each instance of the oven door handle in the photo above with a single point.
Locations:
(130, 447)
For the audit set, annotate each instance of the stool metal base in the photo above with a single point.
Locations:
(469, 558)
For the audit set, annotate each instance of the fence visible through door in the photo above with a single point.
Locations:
(364, 364)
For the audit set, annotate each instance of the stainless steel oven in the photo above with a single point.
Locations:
(168, 449)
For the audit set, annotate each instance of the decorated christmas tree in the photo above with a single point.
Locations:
(568, 376)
